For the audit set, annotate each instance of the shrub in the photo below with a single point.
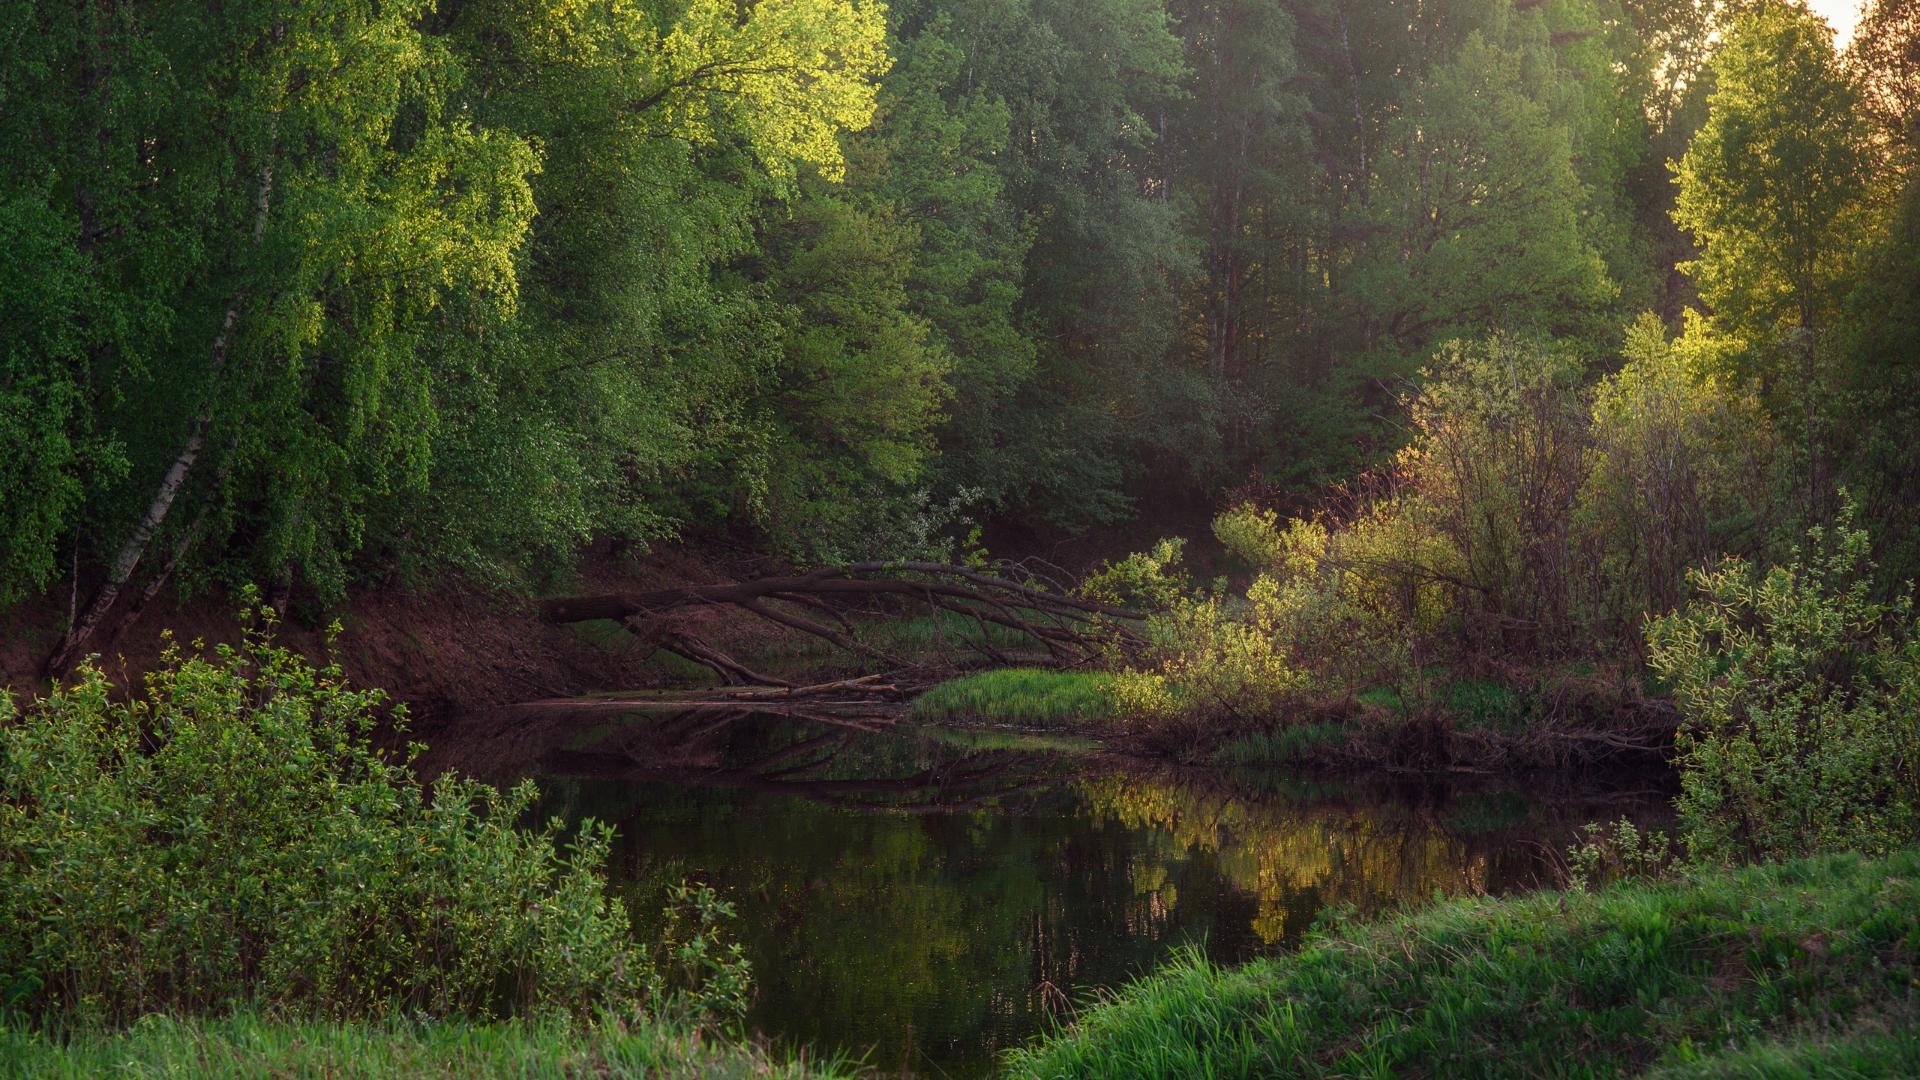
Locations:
(1617, 852)
(1499, 451)
(1801, 704)
(1677, 472)
(1146, 581)
(230, 838)
(1205, 661)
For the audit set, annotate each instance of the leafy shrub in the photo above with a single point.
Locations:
(1801, 704)
(1677, 472)
(230, 838)
(1501, 429)
(1206, 662)
(1146, 581)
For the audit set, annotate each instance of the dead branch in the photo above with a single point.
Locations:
(1071, 630)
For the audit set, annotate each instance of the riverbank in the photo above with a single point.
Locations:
(444, 650)
(248, 1046)
(1554, 721)
(1804, 968)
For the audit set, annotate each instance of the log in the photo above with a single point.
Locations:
(854, 579)
(1072, 630)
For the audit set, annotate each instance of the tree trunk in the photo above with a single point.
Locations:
(131, 552)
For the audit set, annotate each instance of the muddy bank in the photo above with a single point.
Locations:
(444, 650)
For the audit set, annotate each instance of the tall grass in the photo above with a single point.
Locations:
(1804, 968)
(1028, 696)
(1288, 745)
(248, 1047)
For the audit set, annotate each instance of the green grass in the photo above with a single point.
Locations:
(1482, 703)
(247, 1046)
(1382, 697)
(1282, 746)
(1027, 696)
(1799, 969)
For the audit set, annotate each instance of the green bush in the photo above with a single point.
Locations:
(1800, 698)
(1145, 580)
(230, 838)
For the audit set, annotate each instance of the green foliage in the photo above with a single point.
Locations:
(1772, 185)
(1025, 696)
(230, 838)
(1144, 580)
(697, 973)
(1677, 473)
(1800, 696)
(1879, 390)
(1205, 662)
(1617, 852)
(248, 1046)
(859, 386)
(1287, 745)
(1499, 457)
(1800, 968)
(460, 287)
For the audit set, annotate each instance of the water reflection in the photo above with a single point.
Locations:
(936, 897)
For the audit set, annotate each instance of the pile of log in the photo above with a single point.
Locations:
(1068, 630)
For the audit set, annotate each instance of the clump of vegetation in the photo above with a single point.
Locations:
(248, 1046)
(1617, 852)
(1807, 964)
(1801, 698)
(231, 839)
(1290, 744)
(1028, 696)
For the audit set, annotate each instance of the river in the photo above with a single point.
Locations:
(924, 898)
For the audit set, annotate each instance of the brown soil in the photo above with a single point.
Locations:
(445, 650)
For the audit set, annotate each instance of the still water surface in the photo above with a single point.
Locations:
(925, 899)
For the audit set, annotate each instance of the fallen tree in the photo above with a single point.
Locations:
(1071, 631)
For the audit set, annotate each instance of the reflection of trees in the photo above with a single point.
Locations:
(1285, 853)
(944, 901)
(822, 760)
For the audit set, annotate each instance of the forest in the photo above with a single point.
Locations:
(1403, 514)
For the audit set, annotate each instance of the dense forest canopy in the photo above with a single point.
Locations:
(321, 291)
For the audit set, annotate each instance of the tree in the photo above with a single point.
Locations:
(1083, 84)
(1775, 190)
(1772, 186)
(934, 158)
(1884, 58)
(318, 204)
(860, 382)
(1238, 161)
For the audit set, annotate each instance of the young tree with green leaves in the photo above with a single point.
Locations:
(1777, 189)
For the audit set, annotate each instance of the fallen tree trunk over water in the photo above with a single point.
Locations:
(1071, 630)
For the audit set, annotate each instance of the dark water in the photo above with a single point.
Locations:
(928, 899)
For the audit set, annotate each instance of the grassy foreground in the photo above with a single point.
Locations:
(1809, 968)
(247, 1046)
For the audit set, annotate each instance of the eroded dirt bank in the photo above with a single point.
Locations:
(443, 650)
